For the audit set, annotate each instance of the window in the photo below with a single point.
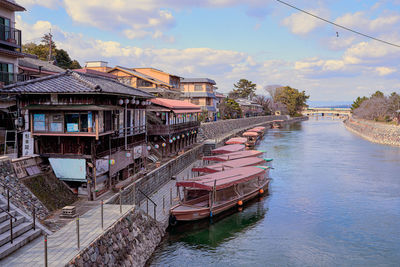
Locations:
(39, 122)
(76, 122)
(56, 123)
(143, 83)
(209, 102)
(6, 73)
(5, 29)
(107, 121)
(195, 101)
(198, 87)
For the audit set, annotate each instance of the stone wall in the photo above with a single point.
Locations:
(21, 196)
(130, 241)
(217, 129)
(376, 132)
(155, 179)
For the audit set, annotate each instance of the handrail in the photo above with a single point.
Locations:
(147, 206)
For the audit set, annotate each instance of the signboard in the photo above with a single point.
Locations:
(72, 127)
(27, 147)
(137, 152)
(69, 169)
(102, 165)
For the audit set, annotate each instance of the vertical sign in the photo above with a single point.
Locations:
(27, 147)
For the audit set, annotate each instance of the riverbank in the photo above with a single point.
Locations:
(375, 132)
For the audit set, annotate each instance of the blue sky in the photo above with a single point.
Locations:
(225, 40)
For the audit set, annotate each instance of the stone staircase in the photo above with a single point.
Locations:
(22, 229)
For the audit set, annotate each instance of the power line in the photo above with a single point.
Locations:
(337, 25)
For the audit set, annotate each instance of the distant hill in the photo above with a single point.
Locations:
(329, 104)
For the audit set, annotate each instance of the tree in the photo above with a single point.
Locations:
(265, 102)
(42, 51)
(377, 94)
(230, 109)
(293, 99)
(243, 89)
(358, 102)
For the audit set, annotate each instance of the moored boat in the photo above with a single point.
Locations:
(230, 164)
(236, 140)
(252, 139)
(258, 130)
(234, 155)
(276, 124)
(208, 195)
(228, 149)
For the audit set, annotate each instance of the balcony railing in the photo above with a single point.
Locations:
(7, 78)
(161, 129)
(10, 36)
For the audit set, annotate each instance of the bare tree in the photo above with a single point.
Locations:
(271, 89)
(264, 101)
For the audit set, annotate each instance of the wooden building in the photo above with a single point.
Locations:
(172, 125)
(91, 128)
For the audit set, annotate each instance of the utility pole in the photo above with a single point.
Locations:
(51, 45)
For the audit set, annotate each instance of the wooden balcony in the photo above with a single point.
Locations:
(160, 129)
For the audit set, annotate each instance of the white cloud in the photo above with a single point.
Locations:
(383, 71)
(301, 23)
(45, 3)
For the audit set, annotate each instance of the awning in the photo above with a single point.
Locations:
(158, 109)
(71, 107)
(230, 164)
(228, 149)
(180, 111)
(234, 155)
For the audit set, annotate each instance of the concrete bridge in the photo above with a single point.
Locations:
(327, 111)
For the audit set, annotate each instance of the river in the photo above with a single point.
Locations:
(334, 201)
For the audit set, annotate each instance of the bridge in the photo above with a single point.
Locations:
(326, 111)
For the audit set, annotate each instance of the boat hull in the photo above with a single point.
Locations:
(193, 214)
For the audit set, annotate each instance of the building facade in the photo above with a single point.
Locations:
(92, 129)
(201, 91)
(172, 125)
(250, 108)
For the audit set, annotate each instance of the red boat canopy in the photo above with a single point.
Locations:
(223, 179)
(236, 140)
(234, 155)
(250, 134)
(257, 130)
(228, 149)
(230, 164)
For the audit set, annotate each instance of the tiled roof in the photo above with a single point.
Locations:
(198, 94)
(11, 5)
(96, 72)
(34, 63)
(73, 82)
(143, 76)
(197, 80)
(11, 53)
(174, 104)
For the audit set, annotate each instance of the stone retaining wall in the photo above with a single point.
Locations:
(216, 129)
(376, 132)
(21, 196)
(130, 241)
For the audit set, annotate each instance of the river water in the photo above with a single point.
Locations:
(334, 201)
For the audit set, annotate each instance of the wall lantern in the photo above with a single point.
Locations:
(174, 138)
(158, 114)
(178, 137)
(121, 101)
(183, 136)
(112, 161)
(143, 103)
(128, 154)
(133, 101)
(170, 140)
(187, 134)
(127, 101)
(156, 146)
(148, 148)
(164, 144)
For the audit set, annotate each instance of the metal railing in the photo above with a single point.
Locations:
(6, 187)
(147, 204)
(170, 129)
(10, 35)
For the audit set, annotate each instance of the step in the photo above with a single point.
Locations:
(19, 242)
(4, 216)
(5, 226)
(17, 231)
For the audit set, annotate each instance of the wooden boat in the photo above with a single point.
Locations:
(276, 124)
(234, 155)
(236, 140)
(230, 164)
(252, 139)
(259, 130)
(228, 149)
(208, 195)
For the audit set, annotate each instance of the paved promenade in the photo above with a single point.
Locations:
(165, 192)
(62, 245)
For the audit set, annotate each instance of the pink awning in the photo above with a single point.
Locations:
(180, 111)
(234, 155)
(228, 149)
(230, 164)
(236, 140)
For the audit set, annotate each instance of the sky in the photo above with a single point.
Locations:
(263, 41)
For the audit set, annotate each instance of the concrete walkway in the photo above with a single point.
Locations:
(164, 192)
(62, 245)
